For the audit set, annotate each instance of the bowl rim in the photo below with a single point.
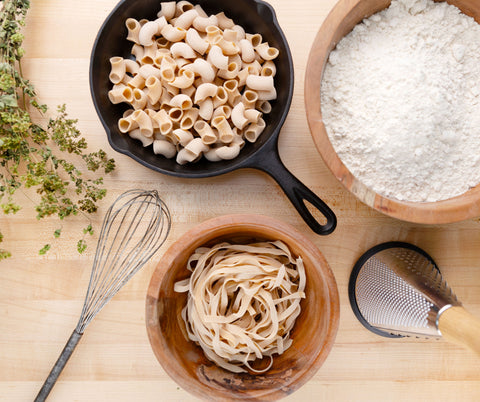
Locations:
(461, 207)
(196, 237)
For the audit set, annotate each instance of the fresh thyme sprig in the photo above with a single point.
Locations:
(32, 156)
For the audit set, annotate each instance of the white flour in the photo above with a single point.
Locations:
(401, 101)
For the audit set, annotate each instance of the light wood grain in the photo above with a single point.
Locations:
(41, 296)
(457, 325)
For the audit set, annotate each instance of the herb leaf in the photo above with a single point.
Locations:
(44, 249)
(51, 159)
(81, 246)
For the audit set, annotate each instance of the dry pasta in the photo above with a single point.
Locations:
(201, 23)
(167, 9)
(242, 301)
(182, 101)
(196, 84)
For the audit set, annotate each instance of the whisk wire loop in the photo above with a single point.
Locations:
(134, 228)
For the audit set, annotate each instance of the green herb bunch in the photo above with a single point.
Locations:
(48, 158)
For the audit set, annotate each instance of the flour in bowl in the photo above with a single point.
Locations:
(401, 101)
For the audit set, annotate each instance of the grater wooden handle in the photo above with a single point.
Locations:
(457, 325)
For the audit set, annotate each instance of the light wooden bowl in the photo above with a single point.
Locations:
(342, 19)
(313, 335)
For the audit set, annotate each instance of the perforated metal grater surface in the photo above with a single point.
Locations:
(397, 290)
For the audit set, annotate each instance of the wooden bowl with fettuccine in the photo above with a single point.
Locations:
(312, 335)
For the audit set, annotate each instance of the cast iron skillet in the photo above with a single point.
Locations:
(254, 16)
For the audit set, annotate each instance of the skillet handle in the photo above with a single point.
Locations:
(296, 191)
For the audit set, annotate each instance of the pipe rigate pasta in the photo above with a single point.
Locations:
(268, 95)
(120, 93)
(154, 89)
(204, 69)
(133, 28)
(149, 54)
(230, 35)
(167, 9)
(260, 83)
(189, 118)
(224, 110)
(247, 51)
(205, 110)
(190, 91)
(173, 34)
(225, 133)
(126, 124)
(118, 69)
(185, 19)
(171, 89)
(165, 148)
(197, 146)
(254, 39)
(165, 124)
(131, 66)
(223, 21)
(148, 31)
(268, 69)
(182, 101)
(137, 135)
(196, 42)
(144, 122)
(183, 6)
(137, 82)
(207, 90)
(240, 31)
(266, 52)
(182, 49)
(184, 79)
(201, 23)
(205, 131)
(183, 137)
(139, 100)
(228, 152)
(197, 84)
(264, 106)
(217, 58)
(253, 130)
(238, 116)
(175, 114)
(230, 72)
(252, 115)
(220, 98)
(185, 156)
(213, 34)
(228, 48)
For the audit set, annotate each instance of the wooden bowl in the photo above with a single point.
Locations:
(313, 334)
(342, 19)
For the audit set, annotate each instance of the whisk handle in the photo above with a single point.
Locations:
(457, 325)
(58, 367)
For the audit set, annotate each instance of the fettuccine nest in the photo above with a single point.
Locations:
(242, 301)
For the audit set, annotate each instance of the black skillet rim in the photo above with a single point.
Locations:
(213, 170)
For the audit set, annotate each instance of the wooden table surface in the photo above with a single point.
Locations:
(41, 296)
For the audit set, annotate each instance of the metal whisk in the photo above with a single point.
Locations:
(134, 228)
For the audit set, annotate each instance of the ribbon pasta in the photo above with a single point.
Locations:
(243, 300)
